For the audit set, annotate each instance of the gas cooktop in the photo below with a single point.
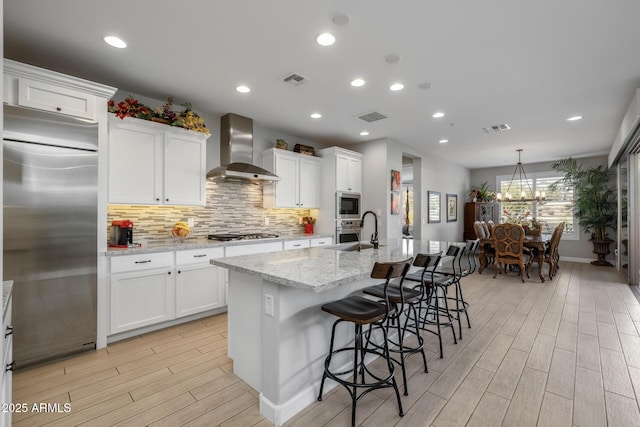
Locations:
(247, 236)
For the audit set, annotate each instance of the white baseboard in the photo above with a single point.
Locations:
(574, 259)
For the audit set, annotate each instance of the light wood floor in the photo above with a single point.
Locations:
(562, 353)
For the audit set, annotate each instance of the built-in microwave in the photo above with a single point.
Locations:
(347, 205)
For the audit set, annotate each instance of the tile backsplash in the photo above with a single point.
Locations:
(232, 207)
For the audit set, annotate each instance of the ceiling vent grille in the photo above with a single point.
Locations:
(296, 79)
(372, 117)
(497, 128)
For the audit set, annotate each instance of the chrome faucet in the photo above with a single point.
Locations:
(374, 236)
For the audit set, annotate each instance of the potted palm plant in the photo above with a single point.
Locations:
(595, 202)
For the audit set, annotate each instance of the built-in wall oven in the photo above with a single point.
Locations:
(348, 205)
(347, 230)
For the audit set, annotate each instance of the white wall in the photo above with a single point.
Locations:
(430, 173)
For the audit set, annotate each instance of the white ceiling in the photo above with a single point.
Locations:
(530, 65)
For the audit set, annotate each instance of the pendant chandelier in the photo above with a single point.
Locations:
(521, 174)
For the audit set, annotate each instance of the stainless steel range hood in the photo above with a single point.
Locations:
(236, 152)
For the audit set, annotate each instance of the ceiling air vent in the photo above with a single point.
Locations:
(497, 128)
(295, 79)
(372, 117)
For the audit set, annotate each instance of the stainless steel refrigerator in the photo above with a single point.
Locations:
(50, 232)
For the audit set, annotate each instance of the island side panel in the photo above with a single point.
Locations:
(244, 301)
(295, 344)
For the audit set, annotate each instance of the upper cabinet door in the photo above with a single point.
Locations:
(184, 170)
(49, 97)
(286, 194)
(135, 164)
(348, 173)
(309, 182)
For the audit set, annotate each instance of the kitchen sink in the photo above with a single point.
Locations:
(350, 247)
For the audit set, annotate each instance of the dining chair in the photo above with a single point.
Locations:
(486, 253)
(551, 255)
(508, 241)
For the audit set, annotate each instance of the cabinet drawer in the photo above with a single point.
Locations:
(198, 256)
(296, 244)
(120, 264)
(322, 241)
(45, 96)
(254, 248)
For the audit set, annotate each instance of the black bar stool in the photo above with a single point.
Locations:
(362, 311)
(434, 280)
(461, 305)
(404, 318)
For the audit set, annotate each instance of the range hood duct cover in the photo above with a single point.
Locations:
(236, 152)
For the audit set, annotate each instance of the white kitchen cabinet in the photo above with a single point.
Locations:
(343, 169)
(299, 185)
(200, 286)
(155, 164)
(296, 244)
(33, 87)
(321, 241)
(142, 290)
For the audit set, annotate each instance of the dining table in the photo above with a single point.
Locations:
(538, 242)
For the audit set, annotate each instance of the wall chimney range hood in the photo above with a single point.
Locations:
(236, 152)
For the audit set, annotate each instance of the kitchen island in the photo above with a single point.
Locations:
(278, 335)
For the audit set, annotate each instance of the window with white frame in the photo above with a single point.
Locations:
(555, 208)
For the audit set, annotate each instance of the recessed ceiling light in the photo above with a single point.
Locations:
(443, 141)
(438, 115)
(364, 133)
(243, 89)
(115, 42)
(316, 115)
(357, 82)
(574, 118)
(326, 39)
(396, 86)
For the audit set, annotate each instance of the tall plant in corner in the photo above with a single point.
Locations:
(595, 202)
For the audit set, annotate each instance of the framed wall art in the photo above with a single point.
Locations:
(433, 206)
(395, 180)
(395, 203)
(452, 207)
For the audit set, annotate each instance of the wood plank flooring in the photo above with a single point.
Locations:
(562, 353)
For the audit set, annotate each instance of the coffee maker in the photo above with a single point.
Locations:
(121, 233)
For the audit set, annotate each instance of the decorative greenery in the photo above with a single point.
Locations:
(186, 118)
(595, 199)
(482, 193)
(520, 217)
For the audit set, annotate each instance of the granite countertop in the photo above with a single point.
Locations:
(200, 243)
(321, 269)
(7, 288)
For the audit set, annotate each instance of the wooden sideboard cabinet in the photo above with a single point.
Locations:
(479, 211)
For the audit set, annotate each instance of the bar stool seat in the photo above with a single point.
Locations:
(359, 380)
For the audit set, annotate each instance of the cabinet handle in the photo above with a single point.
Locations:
(169, 273)
(10, 366)
(166, 200)
(143, 262)
(157, 199)
(179, 271)
(297, 245)
(320, 243)
(9, 331)
(200, 256)
(58, 109)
